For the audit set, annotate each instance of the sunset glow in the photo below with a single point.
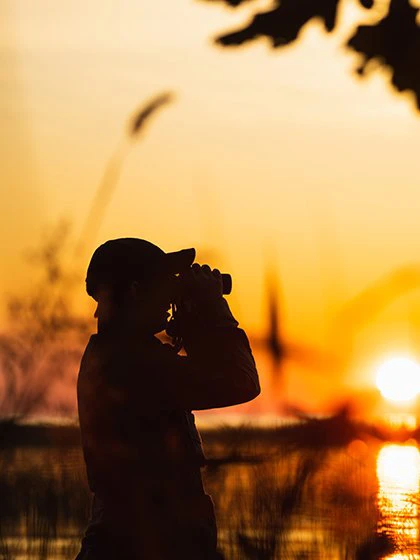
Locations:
(264, 155)
(398, 379)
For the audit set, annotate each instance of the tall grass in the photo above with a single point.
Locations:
(273, 500)
(44, 339)
(44, 501)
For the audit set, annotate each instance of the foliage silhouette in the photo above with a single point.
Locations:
(392, 42)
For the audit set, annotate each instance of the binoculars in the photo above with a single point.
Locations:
(181, 288)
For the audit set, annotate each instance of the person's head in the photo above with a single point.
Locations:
(133, 282)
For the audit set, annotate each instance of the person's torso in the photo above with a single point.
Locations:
(124, 436)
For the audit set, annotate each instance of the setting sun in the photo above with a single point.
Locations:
(398, 379)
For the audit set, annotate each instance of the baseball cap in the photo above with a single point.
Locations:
(120, 260)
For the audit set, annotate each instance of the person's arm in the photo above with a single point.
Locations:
(219, 369)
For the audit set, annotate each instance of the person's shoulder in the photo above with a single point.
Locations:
(92, 350)
(95, 346)
(100, 352)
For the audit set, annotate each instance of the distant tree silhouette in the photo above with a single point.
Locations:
(43, 342)
(392, 42)
(280, 348)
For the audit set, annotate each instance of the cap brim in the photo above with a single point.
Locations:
(179, 260)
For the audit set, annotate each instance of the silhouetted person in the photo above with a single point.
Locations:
(135, 395)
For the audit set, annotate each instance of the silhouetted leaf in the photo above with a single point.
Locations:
(233, 3)
(394, 41)
(143, 115)
(367, 3)
(284, 23)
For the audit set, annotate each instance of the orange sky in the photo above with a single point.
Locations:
(279, 152)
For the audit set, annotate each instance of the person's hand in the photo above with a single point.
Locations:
(202, 284)
(201, 302)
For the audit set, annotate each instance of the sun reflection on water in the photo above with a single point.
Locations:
(398, 472)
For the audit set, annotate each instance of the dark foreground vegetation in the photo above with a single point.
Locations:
(301, 491)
